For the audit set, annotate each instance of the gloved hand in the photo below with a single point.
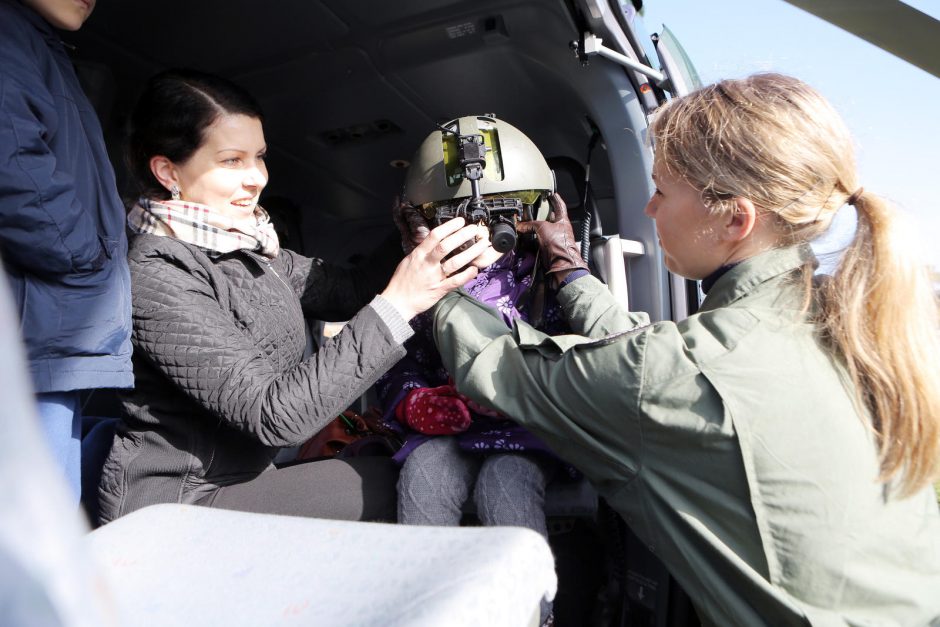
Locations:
(411, 224)
(558, 250)
(434, 411)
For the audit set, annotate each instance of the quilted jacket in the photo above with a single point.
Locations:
(221, 382)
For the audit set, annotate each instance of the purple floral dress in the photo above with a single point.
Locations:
(505, 285)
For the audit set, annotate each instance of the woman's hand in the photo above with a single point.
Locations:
(487, 258)
(559, 251)
(411, 224)
(422, 278)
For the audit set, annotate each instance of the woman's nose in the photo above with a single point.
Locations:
(650, 209)
(254, 178)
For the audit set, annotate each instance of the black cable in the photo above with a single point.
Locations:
(586, 222)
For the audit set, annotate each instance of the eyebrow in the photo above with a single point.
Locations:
(240, 150)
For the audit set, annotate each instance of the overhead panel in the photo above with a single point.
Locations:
(174, 31)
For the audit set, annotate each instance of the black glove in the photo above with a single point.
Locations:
(558, 250)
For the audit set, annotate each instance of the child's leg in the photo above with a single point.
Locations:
(435, 483)
(511, 491)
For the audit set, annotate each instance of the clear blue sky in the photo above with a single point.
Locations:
(890, 106)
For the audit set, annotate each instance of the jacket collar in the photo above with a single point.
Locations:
(44, 27)
(750, 273)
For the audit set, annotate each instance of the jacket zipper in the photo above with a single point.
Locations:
(274, 272)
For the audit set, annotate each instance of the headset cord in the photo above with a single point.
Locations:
(586, 222)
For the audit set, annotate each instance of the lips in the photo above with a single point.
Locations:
(245, 203)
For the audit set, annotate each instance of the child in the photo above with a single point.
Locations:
(453, 447)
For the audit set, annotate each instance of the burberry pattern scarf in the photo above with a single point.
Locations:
(201, 226)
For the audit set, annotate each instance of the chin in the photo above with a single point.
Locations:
(68, 20)
(241, 212)
(685, 274)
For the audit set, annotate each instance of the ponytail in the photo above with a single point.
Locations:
(880, 315)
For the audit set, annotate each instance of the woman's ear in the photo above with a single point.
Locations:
(165, 172)
(741, 220)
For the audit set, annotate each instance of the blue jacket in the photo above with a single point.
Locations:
(62, 233)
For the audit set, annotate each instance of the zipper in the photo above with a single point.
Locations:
(274, 272)
(267, 263)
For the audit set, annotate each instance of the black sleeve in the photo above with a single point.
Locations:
(333, 292)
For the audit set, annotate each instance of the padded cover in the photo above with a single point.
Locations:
(189, 565)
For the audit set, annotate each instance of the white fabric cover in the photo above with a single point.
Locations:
(46, 574)
(179, 564)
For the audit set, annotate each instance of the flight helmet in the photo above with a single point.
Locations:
(483, 169)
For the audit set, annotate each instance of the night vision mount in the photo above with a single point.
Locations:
(498, 214)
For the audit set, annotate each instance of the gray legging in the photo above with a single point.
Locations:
(437, 477)
(359, 488)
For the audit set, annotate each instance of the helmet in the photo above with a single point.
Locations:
(512, 167)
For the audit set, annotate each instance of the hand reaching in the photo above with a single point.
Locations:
(558, 251)
(422, 278)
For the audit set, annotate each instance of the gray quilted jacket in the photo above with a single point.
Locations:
(221, 382)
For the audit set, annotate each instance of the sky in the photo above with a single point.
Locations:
(890, 106)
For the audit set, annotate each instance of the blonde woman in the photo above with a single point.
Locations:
(776, 450)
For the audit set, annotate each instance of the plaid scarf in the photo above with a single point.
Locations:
(202, 226)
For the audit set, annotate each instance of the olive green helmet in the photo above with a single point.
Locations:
(514, 167)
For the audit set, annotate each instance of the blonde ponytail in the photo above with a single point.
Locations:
(880, 314)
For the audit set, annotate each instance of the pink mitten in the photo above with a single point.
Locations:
(434, 411)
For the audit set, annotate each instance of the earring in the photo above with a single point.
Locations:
(175, 193)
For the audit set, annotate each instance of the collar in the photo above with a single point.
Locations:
(45, 28)
(712, 278)
(742, 278)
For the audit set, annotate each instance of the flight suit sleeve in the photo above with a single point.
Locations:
(592, 311)
(580, 395)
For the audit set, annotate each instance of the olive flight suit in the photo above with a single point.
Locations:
(729, 442)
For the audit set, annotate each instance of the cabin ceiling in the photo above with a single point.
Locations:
(350, 88)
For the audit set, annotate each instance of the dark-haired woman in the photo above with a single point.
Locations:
(218, 308)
